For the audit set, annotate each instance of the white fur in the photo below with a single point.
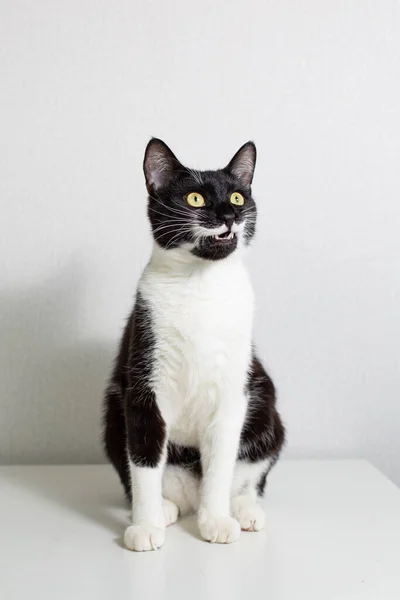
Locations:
(148, 517)
(219, 529)
(248, 513)
(142, 538)
(201, 231)
(171, 512)
(202, 313)
(147, 491)
(246, 477)
(182, 488)
(238, 227)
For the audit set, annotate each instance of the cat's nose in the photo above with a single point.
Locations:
(228, 219)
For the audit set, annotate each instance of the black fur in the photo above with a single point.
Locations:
(186, 456)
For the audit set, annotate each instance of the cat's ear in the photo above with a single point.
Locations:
(160, 165)
(243, 164)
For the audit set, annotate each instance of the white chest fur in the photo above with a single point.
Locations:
(202, 316)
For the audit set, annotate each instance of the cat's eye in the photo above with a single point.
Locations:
(237, 199)
(196, 200)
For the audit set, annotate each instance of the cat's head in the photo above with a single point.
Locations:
(207, 213)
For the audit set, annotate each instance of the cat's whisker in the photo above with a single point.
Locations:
(185, 213)
(168, 225)
(163, 214)
(171, 214)
(171, 241)
(176, 233)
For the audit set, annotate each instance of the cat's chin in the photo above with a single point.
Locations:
(216, 247)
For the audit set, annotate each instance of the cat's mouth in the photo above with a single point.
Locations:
(216, 246)
(227, 236)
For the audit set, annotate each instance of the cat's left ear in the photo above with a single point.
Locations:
(243, 164)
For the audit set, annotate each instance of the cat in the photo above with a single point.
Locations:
(190, 420)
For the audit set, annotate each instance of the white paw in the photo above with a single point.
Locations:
(250, 515)
(219, 530)
(171, 512)
(142, 538)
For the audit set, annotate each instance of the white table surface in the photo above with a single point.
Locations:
(333, 532)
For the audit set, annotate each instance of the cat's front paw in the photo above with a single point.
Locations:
(142, 538)
(219, 530)
(250, 515)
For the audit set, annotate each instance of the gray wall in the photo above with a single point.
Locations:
(316, 84)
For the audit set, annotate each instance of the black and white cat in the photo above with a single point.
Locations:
(190, 417)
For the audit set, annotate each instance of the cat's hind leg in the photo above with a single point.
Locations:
(245, 507)
(171, 512)
(180, 489)
(262, 439)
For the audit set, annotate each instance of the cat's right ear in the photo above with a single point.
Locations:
(160, 165)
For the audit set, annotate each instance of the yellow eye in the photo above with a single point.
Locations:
(196, 200)
(237, 199)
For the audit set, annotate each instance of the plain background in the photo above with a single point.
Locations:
(84, 84)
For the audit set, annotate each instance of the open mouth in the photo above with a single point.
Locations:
(224, 237)
(215, 247)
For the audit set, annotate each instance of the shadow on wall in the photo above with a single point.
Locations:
(52, 378)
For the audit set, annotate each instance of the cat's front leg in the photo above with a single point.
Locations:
(219, 450)
(147, 448)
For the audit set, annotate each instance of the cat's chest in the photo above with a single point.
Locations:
(202, 328)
